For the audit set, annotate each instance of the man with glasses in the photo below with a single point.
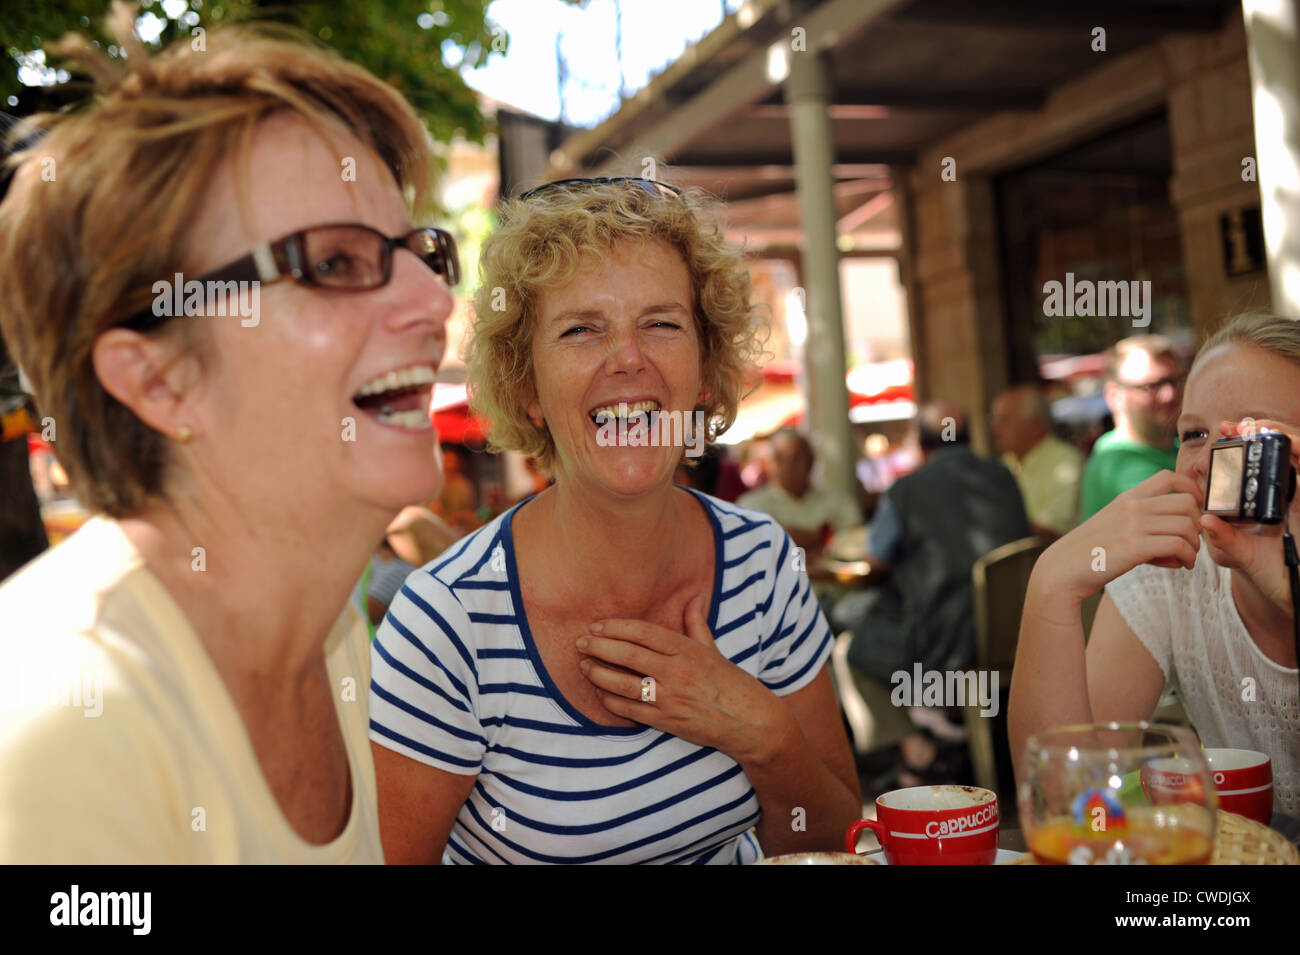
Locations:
(1144, 390)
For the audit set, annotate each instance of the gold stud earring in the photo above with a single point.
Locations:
(184, 434)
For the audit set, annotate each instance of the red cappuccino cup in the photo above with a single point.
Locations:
(933, 825)
(1243, 779)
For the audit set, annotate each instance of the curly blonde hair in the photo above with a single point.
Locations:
(540, 245)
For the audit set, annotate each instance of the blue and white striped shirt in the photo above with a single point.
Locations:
(458, 684)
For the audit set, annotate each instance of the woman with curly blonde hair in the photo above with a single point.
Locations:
(617, 669)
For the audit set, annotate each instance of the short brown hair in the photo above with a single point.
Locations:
(1157, 346)
(540, 245)
(82, 252)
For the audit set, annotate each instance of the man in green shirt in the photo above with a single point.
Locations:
(1144, 389)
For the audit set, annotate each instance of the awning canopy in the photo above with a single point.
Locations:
(452, 418)
(905, 73)
(878, 391)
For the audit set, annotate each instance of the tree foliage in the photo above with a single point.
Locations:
(401, 41)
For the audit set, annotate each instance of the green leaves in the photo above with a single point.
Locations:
(408, 43)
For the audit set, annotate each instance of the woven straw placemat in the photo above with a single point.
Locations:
(1239, 841)
(1242, 841)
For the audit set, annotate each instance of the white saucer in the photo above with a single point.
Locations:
(1004, 855)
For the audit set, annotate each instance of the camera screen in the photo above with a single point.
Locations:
(1226, 465)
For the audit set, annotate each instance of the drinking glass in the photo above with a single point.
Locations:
(1117, 794)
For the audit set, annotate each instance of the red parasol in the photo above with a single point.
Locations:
(452, 417)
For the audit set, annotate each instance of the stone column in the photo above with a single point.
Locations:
(808, 91)
(1273, 45)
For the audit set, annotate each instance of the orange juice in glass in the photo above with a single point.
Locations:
(1084, 799)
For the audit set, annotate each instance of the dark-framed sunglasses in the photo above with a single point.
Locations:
(651, 187)
(336, 256)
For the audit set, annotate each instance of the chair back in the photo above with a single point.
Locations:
(1001, 579)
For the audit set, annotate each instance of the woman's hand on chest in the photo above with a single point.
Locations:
(687, 687)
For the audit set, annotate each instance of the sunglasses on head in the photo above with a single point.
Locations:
(651, 187)
(341, 257)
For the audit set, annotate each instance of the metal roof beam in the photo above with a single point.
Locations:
(687, 170)
(784, 159)
(822, 28)
(1166, 17)
(850, 99)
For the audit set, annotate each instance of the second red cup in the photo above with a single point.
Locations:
(1243, 779)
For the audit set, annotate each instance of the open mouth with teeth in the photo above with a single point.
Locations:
(626, 417)
(399, 398)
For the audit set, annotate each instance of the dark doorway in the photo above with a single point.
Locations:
(1098, 212)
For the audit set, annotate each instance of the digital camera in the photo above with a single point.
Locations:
(1251, 478)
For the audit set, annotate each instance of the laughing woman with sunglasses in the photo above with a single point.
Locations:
(186, 679)
(618, 670)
